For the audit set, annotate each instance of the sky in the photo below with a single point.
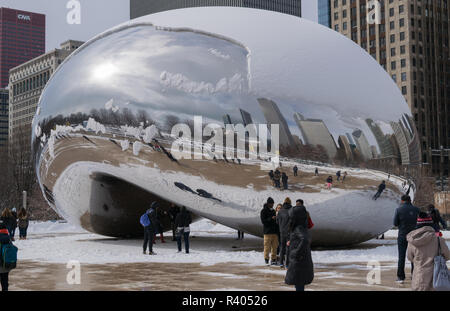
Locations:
(96, 17)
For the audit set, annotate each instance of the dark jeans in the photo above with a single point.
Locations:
(148, 238)
(300, 288)
(174, 232)
(295, 173)
(23, 232)
(11, 231)
(285, 185)
(284, 250)
(4, 281)
(186, 241)
(402, 247)
(277, 183)
(377, 195)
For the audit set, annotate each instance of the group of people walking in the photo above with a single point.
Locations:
(11, 219)
(151, 221)
(287, 241)
(277, 177)
(419, 239)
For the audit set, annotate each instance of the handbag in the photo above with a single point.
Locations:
(441, 276)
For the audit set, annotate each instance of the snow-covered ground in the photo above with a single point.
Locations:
(211, 243)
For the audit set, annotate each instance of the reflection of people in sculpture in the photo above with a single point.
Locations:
(329, 182)
(381, 188)
(316, 172)
(295, 169)
(271, 175)
(284, 180)
(276, 178)
(345, 175)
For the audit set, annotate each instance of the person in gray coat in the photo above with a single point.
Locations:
(283, 223)
(301, 270)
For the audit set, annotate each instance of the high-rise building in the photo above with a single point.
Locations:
(246, 117)
(26, 83)
(315, 132)
(344, 145)
(22, 37)
(411, 42)
(4, 95)
(386, 149)
(362, 144)
(273, 115)
(140, 8)
(324, 10)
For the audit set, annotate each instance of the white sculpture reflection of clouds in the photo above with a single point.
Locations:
(224, 64)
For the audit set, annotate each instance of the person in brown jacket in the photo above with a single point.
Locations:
(422, 248)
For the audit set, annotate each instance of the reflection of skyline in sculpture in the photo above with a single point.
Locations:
(345, 146)
(408, 141)
(246, 117)
(383, 141)
(315, 132)
(362, 144)
(273, 116)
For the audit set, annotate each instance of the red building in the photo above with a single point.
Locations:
(22, 37)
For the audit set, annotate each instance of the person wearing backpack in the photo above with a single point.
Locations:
(150, 224)
(422, 248)
(8, 256)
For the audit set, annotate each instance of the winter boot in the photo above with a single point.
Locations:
(267, 261)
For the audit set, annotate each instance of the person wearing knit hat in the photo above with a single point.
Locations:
(422, 248)
(270, 229)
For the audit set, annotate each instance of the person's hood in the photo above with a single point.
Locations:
(421, 236)
(286, 206)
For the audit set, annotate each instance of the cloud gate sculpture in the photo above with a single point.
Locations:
(195, 106)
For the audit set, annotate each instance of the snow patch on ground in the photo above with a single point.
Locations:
(211, 243)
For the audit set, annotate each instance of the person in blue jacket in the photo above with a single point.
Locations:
(4, 239)
(150, 223)
(405, 219)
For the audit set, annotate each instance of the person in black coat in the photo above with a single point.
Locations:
(284, 180)
(295, 169)
(283, 223)
(182, 222)
(301, 270)
(405, 219)
(436, 216)
(160, 215)
(173, 212)
(4, 239)
(271, 176)
(276, 178)
(381, 188)
(270, 229)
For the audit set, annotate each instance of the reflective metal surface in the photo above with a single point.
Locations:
(104, 140)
